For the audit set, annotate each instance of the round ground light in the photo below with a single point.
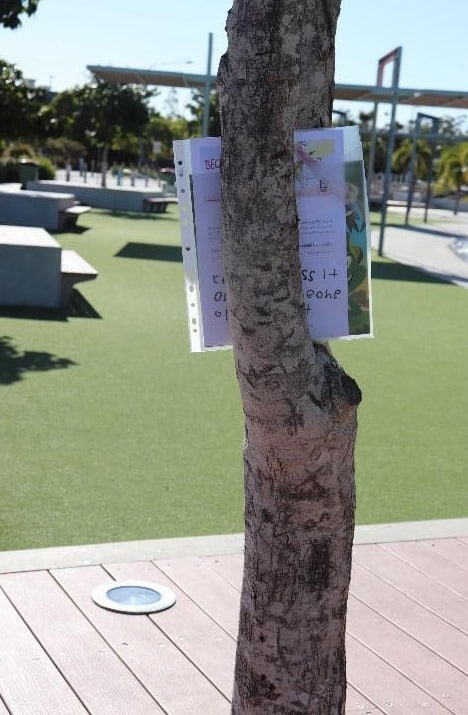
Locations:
(133, 597)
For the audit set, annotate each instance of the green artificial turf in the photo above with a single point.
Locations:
(132, 437)
(412, 451)
(112, 430)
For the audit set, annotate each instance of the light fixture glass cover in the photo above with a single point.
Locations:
(133, 596)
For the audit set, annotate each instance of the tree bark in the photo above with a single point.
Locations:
(299, 405)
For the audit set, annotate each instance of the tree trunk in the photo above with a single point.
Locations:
(104, 165)
(299, 405)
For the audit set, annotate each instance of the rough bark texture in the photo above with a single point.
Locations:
(300, 407)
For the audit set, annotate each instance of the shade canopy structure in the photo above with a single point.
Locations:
(446, 99)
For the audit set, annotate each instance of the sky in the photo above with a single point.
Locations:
(55, 45)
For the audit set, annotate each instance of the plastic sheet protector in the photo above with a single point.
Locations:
(334, 236)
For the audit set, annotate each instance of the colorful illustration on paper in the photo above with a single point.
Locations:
(357, 249)
(317, 170)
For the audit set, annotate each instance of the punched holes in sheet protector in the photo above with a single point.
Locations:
(133, 597)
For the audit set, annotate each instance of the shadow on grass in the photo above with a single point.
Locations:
(71, 228)
(389, 271)
(139, 215)
(14, 364)
(434, 232)
(78, 307)
(151, 252)
(376, 222)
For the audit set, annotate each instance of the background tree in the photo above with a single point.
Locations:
(101, 115)
(21, 106)
(11, 11)
(196, 108)
(61, 151)
(452, 127)
(453, 170)
(299, 405)
(165, 130)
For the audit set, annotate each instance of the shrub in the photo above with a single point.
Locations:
(46, 168)
(19, 150)
(10, 170)
(62, 150)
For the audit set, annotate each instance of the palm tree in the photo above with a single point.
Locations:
(401, 158)
(453, 170)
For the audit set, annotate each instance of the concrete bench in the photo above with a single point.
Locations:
(158, 204)
(36, 208)
(34, 271)
(11, 186)
(68, 217)
(112, 198)
(74, 269)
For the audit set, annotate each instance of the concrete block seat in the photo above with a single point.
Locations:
(11, 186)
(113, 198)
(38, 208)
(69, 216)
(158, 204)
(35, 271)
(74, 269)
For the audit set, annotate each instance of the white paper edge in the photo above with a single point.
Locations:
(183, 169)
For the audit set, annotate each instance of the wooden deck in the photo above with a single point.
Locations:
(60, 654)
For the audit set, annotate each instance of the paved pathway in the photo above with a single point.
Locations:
(428, 246)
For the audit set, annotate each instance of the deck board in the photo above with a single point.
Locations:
(442, 681)
(29, 680)
(407, 635)
(358, 704)
(435, 566)
(3, 708)
(192, 630)
(207, 588)
(451, 549)
(390, 690)
(102, 681)
(168, 676)
(423, 625)
(229, 567)
(415, 584)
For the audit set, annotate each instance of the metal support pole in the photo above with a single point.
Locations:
(429, 182)
(412, 173)
(371, 159)
(396, 57)
(342, 117)
(435, 130)
(206, 106)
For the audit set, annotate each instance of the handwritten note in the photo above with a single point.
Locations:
(333, 232)
(206, 190)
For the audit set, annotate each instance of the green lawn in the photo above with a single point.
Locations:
(412, 451)
(112, 430)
